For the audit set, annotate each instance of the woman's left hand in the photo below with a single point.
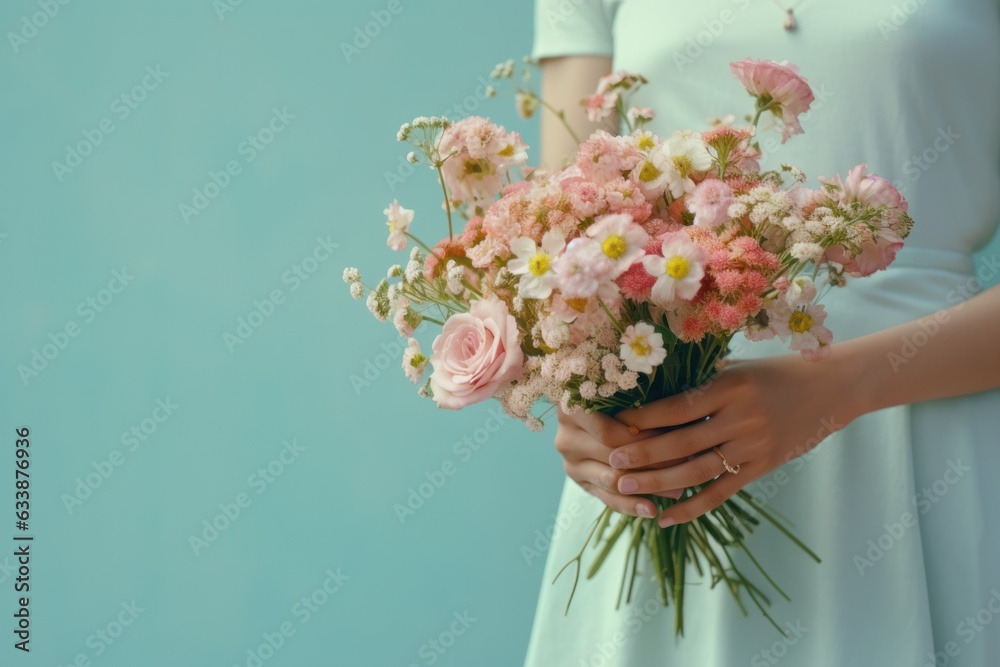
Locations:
(761, 414)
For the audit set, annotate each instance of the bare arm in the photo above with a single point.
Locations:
(950, 353)
(566, 81)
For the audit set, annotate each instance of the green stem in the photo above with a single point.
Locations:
(561, 116)
(447, 204)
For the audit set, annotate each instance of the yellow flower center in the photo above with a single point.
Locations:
(478, 168)
(678, 267)
(579, 304)
(417, 360)
(646, 143)
(640, 347)
(649, 172)
(540, 264)
(800, 322)
(683, 164)
(508, 151)
(614, 246)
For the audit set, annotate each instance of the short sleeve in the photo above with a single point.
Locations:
(573, 28)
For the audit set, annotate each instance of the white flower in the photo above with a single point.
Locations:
(455, 274)
(357, 290)
(394, 271)
(642, 348)
(351, 275)
(804, 325)
(622, 241)
(801, 291)
(399, 220)
(653, 174)
(806, 251)
(640, 115)
(414, 361)
(535, 264)
(678, 272)
(687, 154)
(555, 331)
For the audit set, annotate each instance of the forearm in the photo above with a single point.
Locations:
(566, 81)
(950, 353)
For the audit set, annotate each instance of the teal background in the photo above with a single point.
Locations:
(366, 440)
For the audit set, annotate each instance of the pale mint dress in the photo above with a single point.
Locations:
(904, 504)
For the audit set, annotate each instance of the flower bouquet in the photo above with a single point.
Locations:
(622, 278)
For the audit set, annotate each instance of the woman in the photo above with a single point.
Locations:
(901, 499)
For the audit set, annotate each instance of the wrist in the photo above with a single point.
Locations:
(853, 381)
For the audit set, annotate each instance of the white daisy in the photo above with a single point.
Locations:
(622, 241)
(687, 155)
(642, 348)
(534, 264)
(678, 272)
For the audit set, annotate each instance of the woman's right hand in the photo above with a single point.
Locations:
(585, 442)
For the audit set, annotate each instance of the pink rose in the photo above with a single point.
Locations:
(475, 354)
(780, 83)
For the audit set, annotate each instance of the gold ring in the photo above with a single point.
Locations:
(729, 468)
(633, 429)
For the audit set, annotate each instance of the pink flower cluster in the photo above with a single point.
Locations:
(579, 285)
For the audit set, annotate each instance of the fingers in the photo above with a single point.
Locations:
(597, 479)
(677, 444)
(606, 430)
(698, 470)
(704, 501)
(683, 408)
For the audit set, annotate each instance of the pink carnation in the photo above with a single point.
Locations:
(710, 203)
(603, 157)
(600, 106)
(779, 84)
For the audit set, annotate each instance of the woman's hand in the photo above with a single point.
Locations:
(586, 441)
(761, 414)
